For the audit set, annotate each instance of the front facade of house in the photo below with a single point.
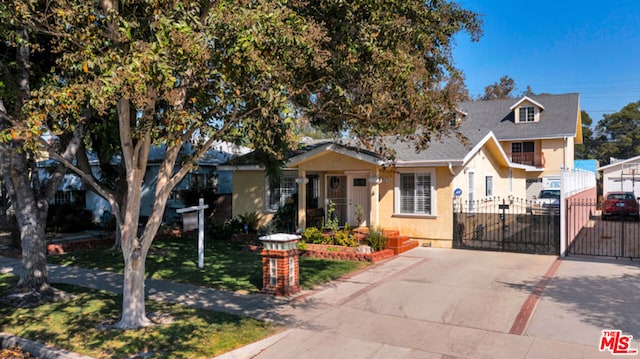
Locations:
(415, 197)
(416, 194)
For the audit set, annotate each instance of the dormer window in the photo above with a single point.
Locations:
(458, 115)
(527, 110)
(527, 114)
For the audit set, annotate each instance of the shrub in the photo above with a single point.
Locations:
(312, 235)
(67, 218)
(376, 238)
(250, 221)
(224, 230)
(344, 238)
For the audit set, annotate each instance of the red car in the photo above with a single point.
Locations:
(620, 204)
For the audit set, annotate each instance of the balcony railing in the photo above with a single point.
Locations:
(535, 159)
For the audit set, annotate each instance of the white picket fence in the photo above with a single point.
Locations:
(574, 181)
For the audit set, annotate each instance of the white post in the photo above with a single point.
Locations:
(201, 233)
(200, 208)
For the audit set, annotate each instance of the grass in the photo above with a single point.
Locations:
(226, 265)
(79, 325)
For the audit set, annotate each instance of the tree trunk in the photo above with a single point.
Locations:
(31, 216)
(134, 250)
(133, 295)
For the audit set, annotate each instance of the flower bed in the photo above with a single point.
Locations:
(326, 251)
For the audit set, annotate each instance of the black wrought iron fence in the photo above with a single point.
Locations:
(506, 224)
(589, 234)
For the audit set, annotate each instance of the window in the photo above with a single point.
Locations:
(273, 272)
(415, 193)
(488, 186)
(527, 114)
(292, 271)
(510, 181)
(278, 192)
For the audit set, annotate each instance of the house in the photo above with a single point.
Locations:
(512, 145)
(205, 177)
(539, 131)
(621, 175)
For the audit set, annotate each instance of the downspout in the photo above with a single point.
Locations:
(451, 169)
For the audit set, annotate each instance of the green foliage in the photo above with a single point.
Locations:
(376, 238)
(224, 231)
(618, 134)
(250, 221)
(79, 325)
(313, 235)
(226, 265)
(344, 237)
(68, 219)
(332, 220)
(285, 218)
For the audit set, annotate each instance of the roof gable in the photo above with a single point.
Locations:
(561, 118)
(526, 99)
(620, 163)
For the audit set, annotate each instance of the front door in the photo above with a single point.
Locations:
(359, 200)
(337, 199)
(349, 197)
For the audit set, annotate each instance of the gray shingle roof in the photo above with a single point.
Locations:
(558, 119)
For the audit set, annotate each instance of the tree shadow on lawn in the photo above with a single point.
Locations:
(84, 322)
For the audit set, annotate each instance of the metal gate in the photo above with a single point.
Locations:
(588, 234)
(508, 225)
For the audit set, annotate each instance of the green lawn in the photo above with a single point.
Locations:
(80, 325)
(226, 265)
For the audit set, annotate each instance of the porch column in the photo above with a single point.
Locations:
(302, 198)
(375, 180)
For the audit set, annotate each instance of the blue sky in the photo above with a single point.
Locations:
(562, 46)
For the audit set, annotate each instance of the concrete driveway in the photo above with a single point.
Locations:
(438, 303)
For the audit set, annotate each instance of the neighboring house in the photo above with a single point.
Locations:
(415, 194)
(205, 177)
(621, 175)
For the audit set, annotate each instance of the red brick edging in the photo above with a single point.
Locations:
(347, 256)
(526, 311)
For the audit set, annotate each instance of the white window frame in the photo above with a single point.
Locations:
(432, 192)
(530, 112)
(292, 271)
(510, 181)
(287, 178)
(488, 186)
(273, 272)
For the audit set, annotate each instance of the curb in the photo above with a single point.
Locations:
(253, 349)
(36, 349)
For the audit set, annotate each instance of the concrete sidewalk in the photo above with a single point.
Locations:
(427, 303)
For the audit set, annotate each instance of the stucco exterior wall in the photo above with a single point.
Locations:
(556, 155)
(249, 194)
(332, 161)
(483, 164)
(436, 228)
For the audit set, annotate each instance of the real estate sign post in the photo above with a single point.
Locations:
(186, 213)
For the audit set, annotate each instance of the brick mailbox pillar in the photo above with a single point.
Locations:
(280, 271)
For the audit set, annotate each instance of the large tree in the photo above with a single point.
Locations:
(587, 149)
(617, 135)
(177, 72)
(502, 89)
(25, 66)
